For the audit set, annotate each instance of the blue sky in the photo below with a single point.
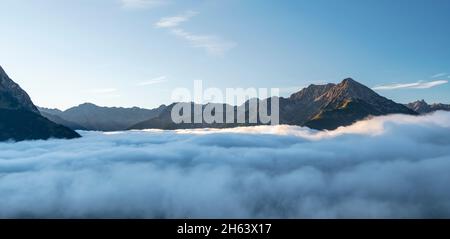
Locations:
(135, 52)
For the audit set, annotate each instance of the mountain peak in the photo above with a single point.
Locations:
(420, 102)
(350, 89)
(311, 92)
(420, 106)
(350, 82)
(88, 105)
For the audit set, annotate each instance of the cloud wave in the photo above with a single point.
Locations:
(385, 167)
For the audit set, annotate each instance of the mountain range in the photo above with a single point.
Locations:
(20, 119)
(319, 107)
(92, 117)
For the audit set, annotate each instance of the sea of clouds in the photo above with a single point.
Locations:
(387, 167)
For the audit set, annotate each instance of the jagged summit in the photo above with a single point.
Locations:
(312, 92)
(350, 89)
(350, 80)
(422, 107)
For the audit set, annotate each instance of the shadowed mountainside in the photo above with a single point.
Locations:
(20, 119)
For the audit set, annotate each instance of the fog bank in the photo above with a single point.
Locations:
(386, 167)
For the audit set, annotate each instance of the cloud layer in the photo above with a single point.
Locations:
(386, 167)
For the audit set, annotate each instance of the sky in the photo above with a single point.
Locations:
(136, 52)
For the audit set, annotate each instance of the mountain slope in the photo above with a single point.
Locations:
(57, 119)
(349, 102)
(21, 125)
(20, 119)
(12, 96)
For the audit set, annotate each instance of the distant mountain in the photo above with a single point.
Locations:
(20, 119)
(164, 119)
(317, 106)
(92, 117)
(49, 111)
(423, 107)
(52, 115)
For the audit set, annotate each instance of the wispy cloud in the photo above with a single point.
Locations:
(212, 44)
(443, 74)
(415, 85)
(156, 80)
(143, 3)
(102, 91)
(169, 22)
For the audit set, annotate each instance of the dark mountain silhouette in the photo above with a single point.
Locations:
(423, 107)
(92, 117)
(20, 119)
(317, 106)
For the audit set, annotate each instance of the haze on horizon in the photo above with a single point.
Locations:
(135, 52)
